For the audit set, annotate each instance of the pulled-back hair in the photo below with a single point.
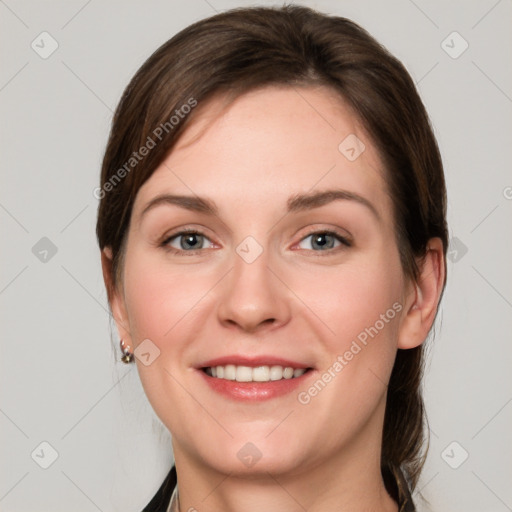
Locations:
(240, 50)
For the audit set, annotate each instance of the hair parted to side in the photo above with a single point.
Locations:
(240, 50)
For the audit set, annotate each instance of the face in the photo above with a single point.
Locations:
(264, 247)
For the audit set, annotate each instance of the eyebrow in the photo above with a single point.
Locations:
(296, 203)
(301, 202)
(192, 203)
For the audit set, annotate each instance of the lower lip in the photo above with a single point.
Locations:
(254, 391)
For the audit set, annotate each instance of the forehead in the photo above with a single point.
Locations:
(269, 144)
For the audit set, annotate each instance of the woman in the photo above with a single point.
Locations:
(273, 233)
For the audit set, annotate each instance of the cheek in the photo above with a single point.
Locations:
(160, 296)
(161, 302)
(352, 298)
(361, 309)
(358, 308)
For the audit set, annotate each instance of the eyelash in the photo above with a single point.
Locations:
(343, 240)
(165, 243)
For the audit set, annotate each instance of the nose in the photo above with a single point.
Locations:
(253, 299)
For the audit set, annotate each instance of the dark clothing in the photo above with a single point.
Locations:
(161, 499)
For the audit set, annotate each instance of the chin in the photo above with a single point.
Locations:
(253, 456)
(251, 466)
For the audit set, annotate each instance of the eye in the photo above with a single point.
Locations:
(187, 241)
(323, 241)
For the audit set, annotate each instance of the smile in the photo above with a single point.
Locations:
(253, 374)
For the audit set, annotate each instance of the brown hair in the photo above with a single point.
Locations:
(242, 49)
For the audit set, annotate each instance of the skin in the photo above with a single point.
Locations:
(294, 301)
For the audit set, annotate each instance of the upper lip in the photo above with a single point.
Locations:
(254, 361)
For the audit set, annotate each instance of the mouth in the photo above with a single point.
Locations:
(254, 379)
(264, 373)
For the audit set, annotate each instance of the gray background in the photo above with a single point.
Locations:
(60, 379)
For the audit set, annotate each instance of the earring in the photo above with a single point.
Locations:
(127, 356)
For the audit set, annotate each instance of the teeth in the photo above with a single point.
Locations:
(243, 374)
(230, 372)
(261, 374)
(276, 372)
(254, 374)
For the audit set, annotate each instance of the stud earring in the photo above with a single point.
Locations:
(127, 356)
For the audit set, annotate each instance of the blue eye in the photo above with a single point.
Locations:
(324, 240)
(187, 241)
(192, 241)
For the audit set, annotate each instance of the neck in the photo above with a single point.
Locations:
(348, 480)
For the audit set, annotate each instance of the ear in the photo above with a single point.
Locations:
(422, 299)
(115, 297)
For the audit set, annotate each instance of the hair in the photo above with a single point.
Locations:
(243, 49)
